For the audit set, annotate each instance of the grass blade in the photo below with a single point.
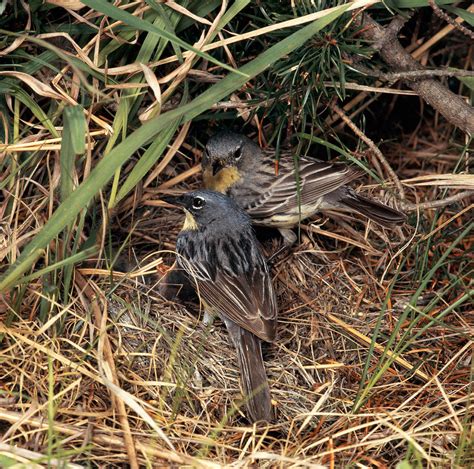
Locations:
(149, 158)
(72, 144)
(108, 9)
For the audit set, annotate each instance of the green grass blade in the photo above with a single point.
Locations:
(148, 159)
(33, 106)
(201, 9)
(71, 260)
(110, 10)
(467, 16)
(414, 3)
(73, 143)
(132, 98)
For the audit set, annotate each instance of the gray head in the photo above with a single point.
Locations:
(229, 149)
(209, 209)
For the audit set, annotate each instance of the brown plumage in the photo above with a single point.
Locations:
(236, 166)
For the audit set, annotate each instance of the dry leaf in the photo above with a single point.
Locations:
(70, 4)
(36, 85)
(155, 108)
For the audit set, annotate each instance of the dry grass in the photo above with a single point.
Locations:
(372, 365)
(185, 377)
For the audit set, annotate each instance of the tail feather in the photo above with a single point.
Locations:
(372, 209)
(252, 372)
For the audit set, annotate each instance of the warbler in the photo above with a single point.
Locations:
(218, 250)
(234, 165)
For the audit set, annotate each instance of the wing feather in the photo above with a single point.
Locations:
(251, 305)
(241, 291)
(316, 179)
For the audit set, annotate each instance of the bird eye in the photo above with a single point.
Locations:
(238, 154)
(198, 203)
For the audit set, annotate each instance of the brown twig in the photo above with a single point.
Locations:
(438, 203)
(450, 105)
(371, 144)
(413, 74)
(444, 16)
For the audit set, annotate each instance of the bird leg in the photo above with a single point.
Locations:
(289, 236)
(289, 239)
(208, 318)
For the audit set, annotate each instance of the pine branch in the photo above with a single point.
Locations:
(450, 105)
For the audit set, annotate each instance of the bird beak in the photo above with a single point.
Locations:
(173, 199)
(217, 165)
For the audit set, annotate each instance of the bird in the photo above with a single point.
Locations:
(236, 166)
(220, 254)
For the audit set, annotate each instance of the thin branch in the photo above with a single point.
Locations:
(413, 74)
(438, 203)
(371, 144)
(453, 107)
(444, 16)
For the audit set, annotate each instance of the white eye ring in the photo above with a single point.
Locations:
(198, 203)
(237, 154)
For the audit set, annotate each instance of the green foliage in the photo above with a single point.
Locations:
(298, 82)
(138, 24)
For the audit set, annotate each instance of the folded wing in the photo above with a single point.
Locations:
(235, 283)
(292, 189)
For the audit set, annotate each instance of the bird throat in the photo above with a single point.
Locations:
(222, 180)
(190, 223)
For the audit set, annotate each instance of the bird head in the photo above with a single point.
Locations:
(209, 209)
(227, 156)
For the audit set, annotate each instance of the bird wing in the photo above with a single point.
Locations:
(316, 179)
(247, 299)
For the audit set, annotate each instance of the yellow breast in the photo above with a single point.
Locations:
(222, 180)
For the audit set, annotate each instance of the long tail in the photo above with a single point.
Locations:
(252, 372)
(372, 209)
